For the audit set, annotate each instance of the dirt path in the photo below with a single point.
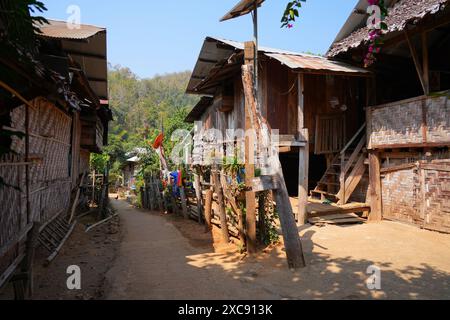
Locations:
(167, 257)
(155, 261)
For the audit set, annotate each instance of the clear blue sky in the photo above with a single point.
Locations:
(157, 36)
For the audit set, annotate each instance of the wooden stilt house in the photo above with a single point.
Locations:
(408, 113)
(316, 104)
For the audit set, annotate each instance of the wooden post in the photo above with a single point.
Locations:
(293, 245)
(250, 197)
(25, 289)
(198, 194)
(303, 181)
(221, 203)
(77, 197)
(159, 199)
(208, 209)
(376, 213)
(93, 187)
(184, 203)
(425, 63)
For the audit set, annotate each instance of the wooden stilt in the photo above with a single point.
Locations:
(221, 204)
(250, 196)
(184, 203)
(293, 245)
(303, 181)
(208, 209)
(198, 194)
(376, 212)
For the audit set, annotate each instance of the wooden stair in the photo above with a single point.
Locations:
(345, 172)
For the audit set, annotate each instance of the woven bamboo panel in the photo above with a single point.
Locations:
(396, 124)
(50, 184)
(438, 120)
(437, 198)
(55, 199)
(10, 198)
(417, 122)
(400, 192)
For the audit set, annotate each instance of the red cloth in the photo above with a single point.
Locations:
(158, 141)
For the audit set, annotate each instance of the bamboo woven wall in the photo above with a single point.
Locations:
(49, 174)
(414, 122)
(419, 194)
(437, 196)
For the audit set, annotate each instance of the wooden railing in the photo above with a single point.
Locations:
(349, 182)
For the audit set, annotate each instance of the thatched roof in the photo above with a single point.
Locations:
(404, 12)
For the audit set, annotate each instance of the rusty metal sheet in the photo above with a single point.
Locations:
(242, 8)
(315, 63)
(60, 30)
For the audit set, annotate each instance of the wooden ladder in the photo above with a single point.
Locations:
(53, 236)
(345, 172)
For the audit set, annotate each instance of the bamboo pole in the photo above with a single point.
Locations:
(77, 197)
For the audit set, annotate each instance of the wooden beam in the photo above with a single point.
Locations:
(376, 207)
(250, 196)
(265, 183)
(417, 63)
(425, 63)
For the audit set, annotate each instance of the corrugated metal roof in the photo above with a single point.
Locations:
(216, 52)
(60, 30)
(242, 8)
(90, 55)
(312, 63)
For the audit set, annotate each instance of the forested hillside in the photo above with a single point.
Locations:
(142, 107)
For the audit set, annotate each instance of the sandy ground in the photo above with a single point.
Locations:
(148, 255)
(165, 257)
(93, 252)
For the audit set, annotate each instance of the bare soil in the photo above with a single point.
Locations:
(149, 255)
(93, 252)
(167, 257)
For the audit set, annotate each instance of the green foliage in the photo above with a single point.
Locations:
(268, 212)
(141, 109)
(99, 162)
(17, 25)
(291, 13)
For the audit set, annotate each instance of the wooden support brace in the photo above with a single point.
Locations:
(376, 213)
